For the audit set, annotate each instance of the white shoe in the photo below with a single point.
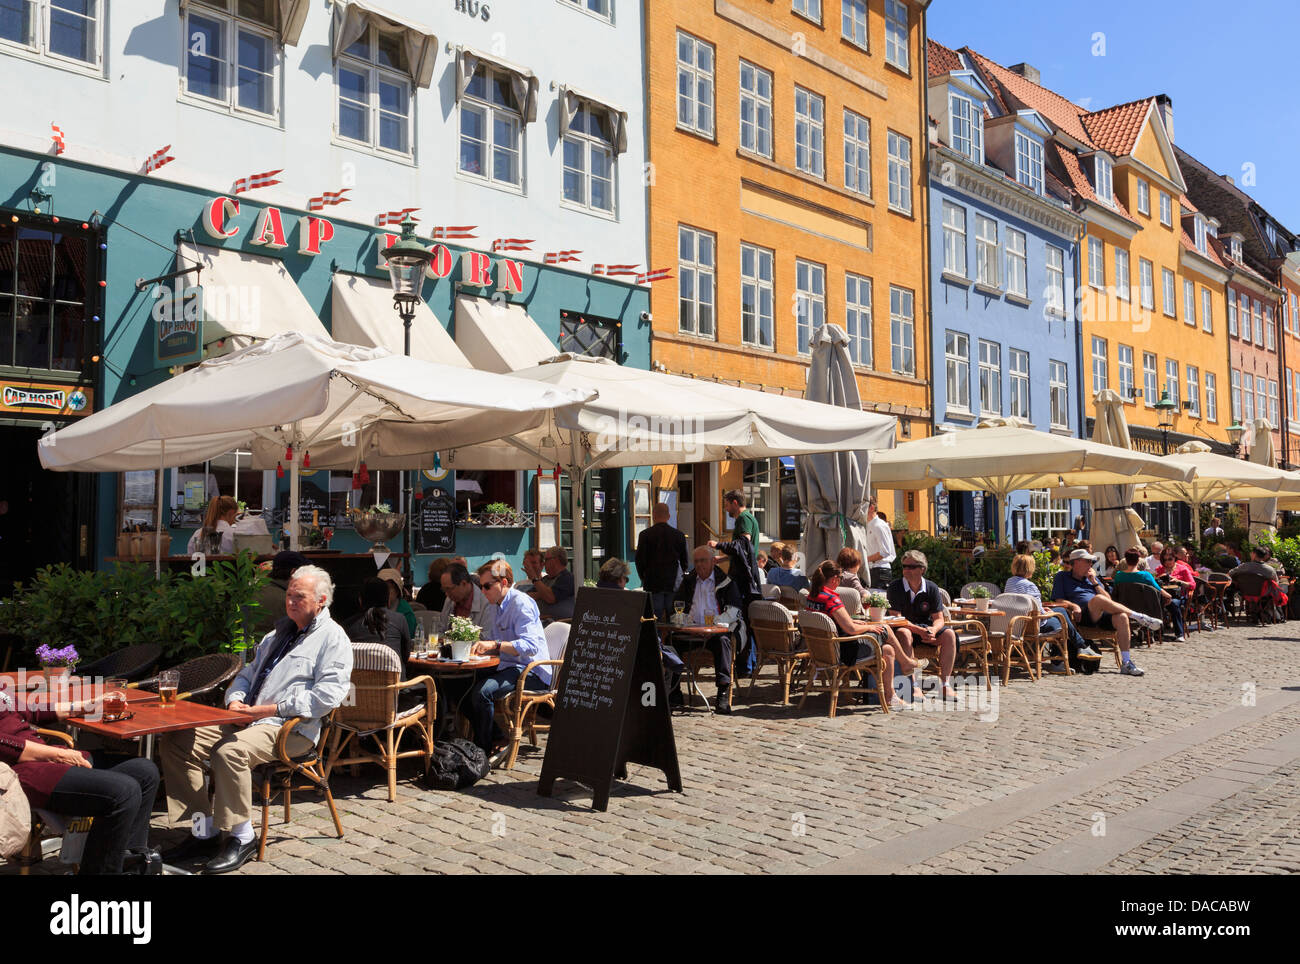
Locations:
(1131, 669)
(1180, 639)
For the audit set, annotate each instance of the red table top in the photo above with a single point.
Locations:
(450, 666)
(150, 718)
(695, 630)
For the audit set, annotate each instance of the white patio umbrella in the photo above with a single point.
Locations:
(1114, 523)
(1220, 478)
(1003, 458)
(298, 390)
(639, 418)
(1263, 512)
(834, 487)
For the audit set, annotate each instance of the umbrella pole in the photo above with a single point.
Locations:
(577, 480)
(158, 519)
(292, 523)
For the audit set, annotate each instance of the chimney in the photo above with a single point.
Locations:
(1029, 72)
(1165, 105)
(1228, 178)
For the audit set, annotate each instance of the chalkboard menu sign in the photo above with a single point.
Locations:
(436, 522)
(611, 708)
(791, 510)
(312, 497)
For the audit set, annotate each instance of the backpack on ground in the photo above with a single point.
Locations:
(455, 765)
(15, 814)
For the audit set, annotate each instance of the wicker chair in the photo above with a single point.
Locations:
(852, 600)
(1141, 598)
(373, 715)
(822, 639)
(778, 643)
(1007, 630)
(771, 592)
(287, 775)
(792, 599)
(201, 677)
(520, 705)
(972, 642)
(131, 663)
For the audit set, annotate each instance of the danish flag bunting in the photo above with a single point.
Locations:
(394, 217)
(254, 181)
(455, 232)
(561, 257)
(60, 143)
(329, 197)
(614, 270)
(511, 244)
(650, 277)
(158, 158)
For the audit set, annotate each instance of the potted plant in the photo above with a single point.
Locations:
(57, 661)
(877, 603)
(981, 595)
(500, 514)
(461, 634)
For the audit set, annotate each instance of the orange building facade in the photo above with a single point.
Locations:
(787, 189)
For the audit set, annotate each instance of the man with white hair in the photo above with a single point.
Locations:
(302, 668)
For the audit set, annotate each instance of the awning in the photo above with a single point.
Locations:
(290, 15)
(523, 81)
(352, 19)
(363, 315)
(498, 337)
(247, 297)
(571, 101)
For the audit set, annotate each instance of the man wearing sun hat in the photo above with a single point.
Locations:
(1079, 591)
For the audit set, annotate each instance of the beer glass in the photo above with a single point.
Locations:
(169, 682)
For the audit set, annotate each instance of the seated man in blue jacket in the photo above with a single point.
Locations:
(707, 591)
(302, 668)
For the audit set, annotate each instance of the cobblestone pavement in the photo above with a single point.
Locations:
(1194, 768)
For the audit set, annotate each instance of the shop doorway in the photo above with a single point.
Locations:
(45, 517)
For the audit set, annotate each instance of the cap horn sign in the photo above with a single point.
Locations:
(269, 231)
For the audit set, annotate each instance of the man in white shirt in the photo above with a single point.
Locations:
(880, 548)
(1152, 562)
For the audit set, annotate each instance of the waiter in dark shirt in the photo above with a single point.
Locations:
(660, 558)
(917, 600)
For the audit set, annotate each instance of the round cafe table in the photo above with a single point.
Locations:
(450, 669)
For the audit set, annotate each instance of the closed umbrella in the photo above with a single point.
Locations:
(834, 487)
(1114, 523)
(1263, 512)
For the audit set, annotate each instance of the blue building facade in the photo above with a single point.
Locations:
(1005, 334)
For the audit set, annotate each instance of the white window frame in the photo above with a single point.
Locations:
(1168, 292)
(1235, 400)
(1100, 365)
(1270, 330)
(1257, 313)
(966, 127)
(1235, 249)
(39, 45)
(987, 269)
(591, 146)
(1274, 404)
(956, 355)
(232, 24)
(857, 153)
(604, 9)
(1059, 394)
(752, 98)
(990, 366)
(1124, 363)
(853, 17)
(1232, 313)
(374, 75)
(1147, 283)
(1123, 279)
(899, 149)
(1261, 396)
(1166, 209)
(954, 239)
(1200, 232)
(1189, 302)
(1193, 375)
(697, 270)
(1018, 384)
(1017, 263)
(902, 330)
(1054, 261)
(1047, 515)
(1211, 397)
(858, 318)
(810, 302)
(811, 9)
(1029, 163)
(1143, 197)
(1171, 379)
(810, 154)
(1207, 310)
(1150, 379)
(1104, 176)
(1247, 398)
(1097, 263)
(701, 79)
(751, 279)
(897, 29)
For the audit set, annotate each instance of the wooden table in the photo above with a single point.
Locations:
(451, 669)
(703, 633)
(150, 718)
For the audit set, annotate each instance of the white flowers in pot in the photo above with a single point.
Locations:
(877, 602)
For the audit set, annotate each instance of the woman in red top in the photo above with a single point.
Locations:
(63, 781)
(1173, 568)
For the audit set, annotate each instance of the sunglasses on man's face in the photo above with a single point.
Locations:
(911, 565)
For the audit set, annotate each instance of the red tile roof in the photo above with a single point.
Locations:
(1078, 180)
(942, 60)
(1055, 108)
(1116, 129)
(1212, 250)
(1187, 204)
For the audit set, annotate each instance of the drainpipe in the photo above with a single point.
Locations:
(923, 74)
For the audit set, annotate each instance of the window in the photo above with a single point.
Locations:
(599, 7)
(756, 296)
(1247, 398)
(695, 281)
(1123, 283)
(230, 57)
(1056, 279)
(1245, 318)
(809, 132)
(584, 334)
(1169, 300)
(1261, 396)
(1147, 282)
(1017, 264)
(756, 482)
(1150, 379)
(954, 239)
(1295, 314)
(1047, 515)
(1232, 314)
(694, 85)
(810, 301)
(857, 318)
(990, 378)
(857, 153)
(896, 34)
(589, 161)
(374, 95)
(967, 126)
(986, 251)
(1194, 391)
(755, 109)
(900, 173)
(1166, 210)
(853, 18)
(1259, 323)
(58, 29)
(1099, 373)
(47, 293)
(1207, 311)
(957, 357)
(1189, 302)
(1029, 162)
(1019, 383)
(1270, 330)
(1270, 229)
(1236, 398)
(1144, 197)
(1295, 381)
(1272, 403)
(1171, 379)
(1126, 386)
(901, 345)
(1211, 397)
(1059, 393)
(1103, 174)
(1235, 248)
(1097, 263)
(812, 9)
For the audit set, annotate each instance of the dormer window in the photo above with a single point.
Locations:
(1102, 175)
(1201, 229)
(1271, 230)
(1029, 162)
(1236, 249)
(967, 127)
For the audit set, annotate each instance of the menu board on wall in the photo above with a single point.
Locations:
(435, 529)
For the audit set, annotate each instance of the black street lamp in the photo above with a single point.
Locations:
(407, 258)
(1167, 411)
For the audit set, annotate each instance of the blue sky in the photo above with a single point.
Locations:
(1228, 67)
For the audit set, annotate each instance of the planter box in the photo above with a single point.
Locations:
(140, 546)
